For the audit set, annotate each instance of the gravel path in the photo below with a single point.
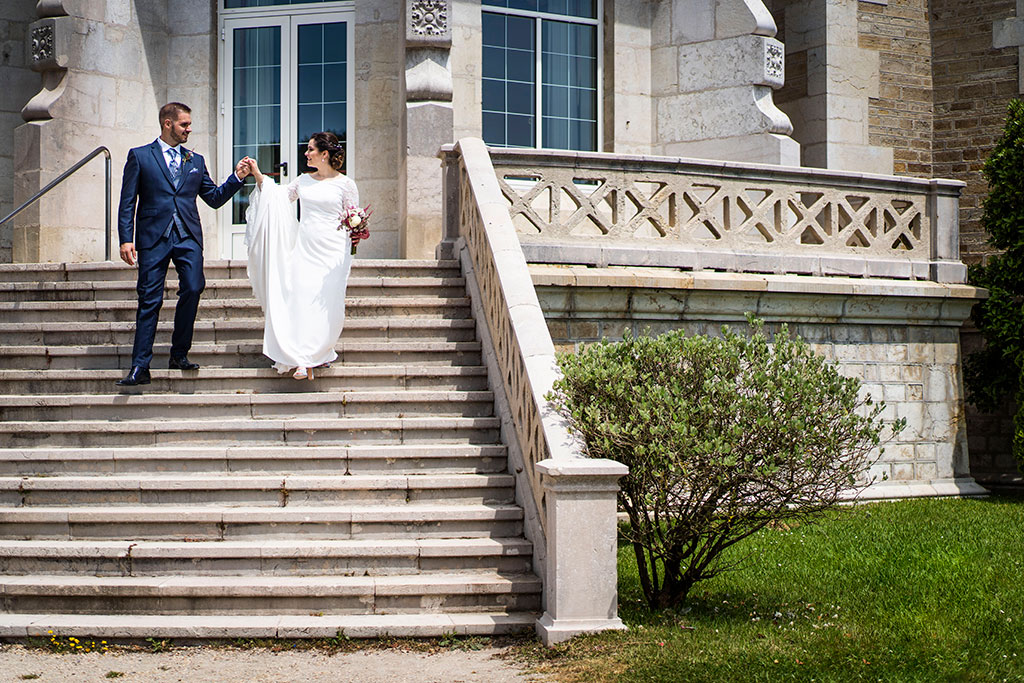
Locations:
(214, 665)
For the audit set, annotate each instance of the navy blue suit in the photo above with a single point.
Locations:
(165, 227)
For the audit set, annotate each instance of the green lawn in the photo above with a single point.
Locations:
(920, 590)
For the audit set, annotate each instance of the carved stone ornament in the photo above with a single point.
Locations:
(774, 60)
(429, 17)
(427, 23)
(42, 43)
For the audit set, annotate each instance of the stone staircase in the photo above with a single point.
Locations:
(234, 502)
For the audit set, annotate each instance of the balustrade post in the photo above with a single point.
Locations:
(944, 215)
(581, 592)
(450, 204)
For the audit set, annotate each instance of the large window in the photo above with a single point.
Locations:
(541, 56)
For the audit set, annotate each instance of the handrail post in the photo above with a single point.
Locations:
(106, 165)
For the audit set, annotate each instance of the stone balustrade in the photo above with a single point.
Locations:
(568, 499)
(603, 209)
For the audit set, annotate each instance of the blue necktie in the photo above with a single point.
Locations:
(175, 168)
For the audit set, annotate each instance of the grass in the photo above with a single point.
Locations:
(919, 590)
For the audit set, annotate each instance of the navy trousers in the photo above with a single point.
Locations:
(184, 251)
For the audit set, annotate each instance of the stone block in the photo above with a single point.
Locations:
(902, 471)
(665, 70)
(894, 393)
(766, 148)
(739, 61)
(692, 22)
(890, 372)
(743, 17)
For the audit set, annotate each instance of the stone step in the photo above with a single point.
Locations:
(214, 269)
(359, 352)
(249, 380)
(345, 430)
(105, 625)
(382, 557)
(325, 404)
(230, 331)
(197, 595)
(445, 458)
(229, 309)
(124, 290)
(252, 490)
(217, 523)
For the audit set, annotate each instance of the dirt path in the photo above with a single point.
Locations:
(216, 665)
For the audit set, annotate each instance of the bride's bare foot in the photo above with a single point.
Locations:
(300, 373)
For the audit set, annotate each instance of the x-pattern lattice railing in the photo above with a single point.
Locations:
(794, 216)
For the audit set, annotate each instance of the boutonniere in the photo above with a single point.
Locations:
(186, 156)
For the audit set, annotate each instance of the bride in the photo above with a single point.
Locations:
(299, 269)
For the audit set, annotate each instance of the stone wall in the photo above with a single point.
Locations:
(900, 116)
(973, 83)
(19, 83)
(901, 339)
(379, 154)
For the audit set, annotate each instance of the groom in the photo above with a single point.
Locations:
(164, 179)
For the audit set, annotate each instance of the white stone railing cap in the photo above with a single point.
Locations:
(684, 165)
(579, 467)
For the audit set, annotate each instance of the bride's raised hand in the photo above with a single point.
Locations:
(254, 169)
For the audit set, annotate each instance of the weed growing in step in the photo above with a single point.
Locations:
(159, 645)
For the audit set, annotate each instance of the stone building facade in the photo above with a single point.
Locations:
(910, 87)
(906, 87)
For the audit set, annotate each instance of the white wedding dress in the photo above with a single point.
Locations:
(299, 269)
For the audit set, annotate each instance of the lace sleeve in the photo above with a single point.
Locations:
(293, 190)
(351, 193)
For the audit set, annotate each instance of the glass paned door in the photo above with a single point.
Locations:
(286, 78)
(322, 94)
(256, 105)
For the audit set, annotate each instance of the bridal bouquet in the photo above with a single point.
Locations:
(354, 219)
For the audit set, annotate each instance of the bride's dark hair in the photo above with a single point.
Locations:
(328, 142)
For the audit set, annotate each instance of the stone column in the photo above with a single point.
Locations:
(830, 112)
(428, 122)
(714, 65)
(580, 582)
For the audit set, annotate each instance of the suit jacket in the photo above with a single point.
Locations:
(147, 183)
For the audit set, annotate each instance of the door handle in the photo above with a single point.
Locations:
(282, 167)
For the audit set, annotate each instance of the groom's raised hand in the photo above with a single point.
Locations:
(242, 168)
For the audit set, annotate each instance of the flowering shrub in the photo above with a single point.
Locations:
(722, 436)
(996, 373)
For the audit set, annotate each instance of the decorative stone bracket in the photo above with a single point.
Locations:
(48, 40)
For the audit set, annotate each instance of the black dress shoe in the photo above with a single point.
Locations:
(182, 363)
(136, 376)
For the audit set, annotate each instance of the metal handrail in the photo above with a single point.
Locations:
(64, 176)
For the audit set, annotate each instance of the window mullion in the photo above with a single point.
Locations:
(538, 77)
